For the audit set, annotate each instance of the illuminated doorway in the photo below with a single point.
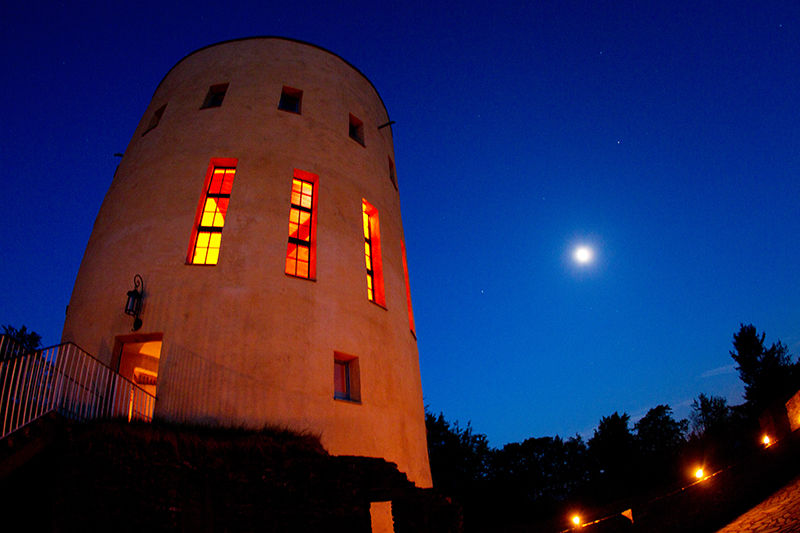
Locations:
(137, 361)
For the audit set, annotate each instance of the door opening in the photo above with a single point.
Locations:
(138, 357)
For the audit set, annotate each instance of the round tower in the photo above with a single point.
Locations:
(258, 202)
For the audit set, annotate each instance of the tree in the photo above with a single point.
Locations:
(710, 415)
(660, 439)
(613, 450)
(659, 434)
(22, 340)
(459, 461)
(769, 374)
(540, 471)
(459, 457)
(721, 434)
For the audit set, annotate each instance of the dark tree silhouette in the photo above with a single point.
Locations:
(22, 341)
(612, 447)
(459, 457)
(659, 434)
(660, 439)
(710, 416)
(540, 472)
(459, 460)
(721, 434)
(770, 376)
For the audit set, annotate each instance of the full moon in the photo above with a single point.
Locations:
(583, 254)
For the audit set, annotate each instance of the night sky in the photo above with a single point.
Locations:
(665, 135)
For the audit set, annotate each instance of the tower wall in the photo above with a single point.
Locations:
(242, 341)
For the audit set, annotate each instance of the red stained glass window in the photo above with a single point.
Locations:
(372, 253)
(300, 252)
(207, 234)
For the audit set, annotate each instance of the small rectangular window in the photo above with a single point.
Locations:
(356, 129)
(215, 96)
(408, 291)
(206, 238)
(156, 118)
(372, 254)
(290, 100)
(392, 173)
(341, 379)
(301, 249)
(346, 377)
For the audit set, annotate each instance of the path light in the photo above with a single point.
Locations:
(699, 473)
(576, 520)
(766, 440)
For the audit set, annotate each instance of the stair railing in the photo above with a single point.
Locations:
(66, 379)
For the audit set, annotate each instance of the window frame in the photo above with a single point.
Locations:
(291, 94)
(216, 91)
(356, 129)
(155, 119)
(412, 327)
(392, 173)
(352, 368)
(373, 262)
(313, 179)
(198, 228)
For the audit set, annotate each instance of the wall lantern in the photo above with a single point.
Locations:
(134, 304)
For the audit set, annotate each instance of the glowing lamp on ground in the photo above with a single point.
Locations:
(133, 306)
(766, 440)
(699, 473)
(576, 520)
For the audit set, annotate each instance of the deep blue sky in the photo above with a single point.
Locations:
(666, 136)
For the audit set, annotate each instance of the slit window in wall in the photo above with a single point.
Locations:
(392, 173)
(408, 291)
(206, 238)
(372, 253)
(346, 377)
(215, 96)
(301, 249)
(156, 118)
(290, 100)
(356, 129)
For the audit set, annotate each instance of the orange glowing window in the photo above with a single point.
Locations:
(408, 290)
(300, 252)
(207, 235)
(372, 253)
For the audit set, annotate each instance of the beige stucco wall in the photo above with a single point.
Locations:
(243, 342)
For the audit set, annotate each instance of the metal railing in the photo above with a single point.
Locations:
(10, 349)
(65, 379)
